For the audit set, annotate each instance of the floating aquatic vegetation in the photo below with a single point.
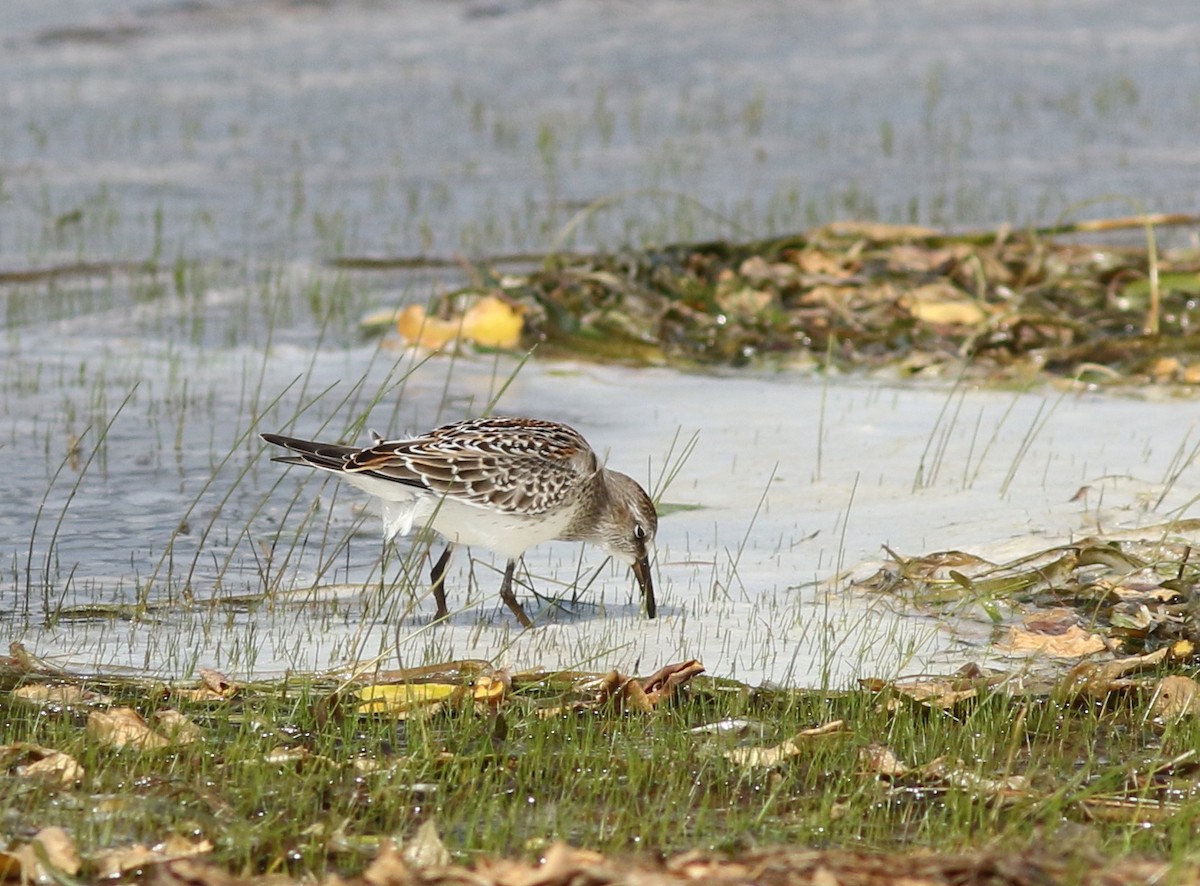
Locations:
(1006, 303)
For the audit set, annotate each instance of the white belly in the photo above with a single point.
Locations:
(507, 534)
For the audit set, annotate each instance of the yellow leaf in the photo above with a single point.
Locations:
(489, 321)
(493, 323)
(943, 305)
(491, 689)
(403, 698)
(417, 328)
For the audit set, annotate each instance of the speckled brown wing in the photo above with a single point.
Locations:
(510, 464)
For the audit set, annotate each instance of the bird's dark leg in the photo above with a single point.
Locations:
(438, 577)
(506, 594)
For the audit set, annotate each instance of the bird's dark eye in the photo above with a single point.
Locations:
(639, 531)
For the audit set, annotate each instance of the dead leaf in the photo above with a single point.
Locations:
(123, 727)
(214, 686)
(630, 694)
(1096, 678)
(388, 868)
(743, 303)
(113, 863)
(490, 690)
(59, 695)
(756, 270)
(660, 685)
(42, 764)
(494, 323)
(418, 328)
(23, 661)
(426, 849)
(882, 760)
(776, 754)
(176, 727)
(821, 263)
(1075, 642)
(936, 693)
(1052, 622)
(490, 321)
(46, 858)
(403, 699)
(943, 305)
(955, 775)
(1175, 697)
(1165, 368)
(300, 756)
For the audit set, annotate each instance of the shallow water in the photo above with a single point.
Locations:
(792, 480)
(237, 147)
(217, 130)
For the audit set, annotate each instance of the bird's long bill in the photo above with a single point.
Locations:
(641, 571)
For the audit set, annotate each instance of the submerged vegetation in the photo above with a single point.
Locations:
(1007, 304)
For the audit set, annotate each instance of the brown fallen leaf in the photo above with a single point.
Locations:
(935, 693)
(388, 867)
(660, 685)
(776, 754)
(1075, 642)
(757, 269)
(628, 693)
(23, 661)
(124, 727)
(47, 858)
(214, 686)
(112, 863)
(59, 695)
(34, 762)
(1098, 678)
(562, 865)
(176, 727)
(1176, 697)
(426, 849)
(1052, 622)
(954, 774)
(882, 760)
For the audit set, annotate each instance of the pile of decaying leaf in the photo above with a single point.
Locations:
(1139, 593)
(1009, 303)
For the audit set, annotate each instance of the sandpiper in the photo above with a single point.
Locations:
(505, 484)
